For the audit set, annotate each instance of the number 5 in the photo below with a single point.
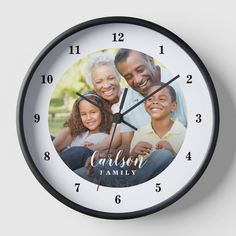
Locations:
(158, 187)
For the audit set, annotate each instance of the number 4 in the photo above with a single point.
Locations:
(189, 157)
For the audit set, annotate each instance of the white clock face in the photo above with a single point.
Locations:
(48, 95)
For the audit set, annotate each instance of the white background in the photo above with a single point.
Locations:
(208, 27)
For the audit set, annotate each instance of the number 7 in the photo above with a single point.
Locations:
(77, 187)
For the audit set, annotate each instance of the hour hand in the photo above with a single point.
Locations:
(128, 124)
(151, 94)
(118, 117)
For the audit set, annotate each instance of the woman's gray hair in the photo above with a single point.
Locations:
(97, 59)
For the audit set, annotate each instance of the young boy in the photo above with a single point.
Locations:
(162, 132)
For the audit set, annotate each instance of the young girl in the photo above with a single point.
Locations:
(86, 124)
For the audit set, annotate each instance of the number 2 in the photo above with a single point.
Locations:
(189, 77)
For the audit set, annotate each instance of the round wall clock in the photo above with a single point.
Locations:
(117, 118)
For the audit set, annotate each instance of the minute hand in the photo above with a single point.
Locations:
(151, 94)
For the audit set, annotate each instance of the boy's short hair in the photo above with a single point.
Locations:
(171, 91)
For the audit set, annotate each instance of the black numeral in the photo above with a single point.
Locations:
(158, 187)
(74, 49)
(47, 79)
(77, 187)
(189, 157)
(117, 199)
(189, 77)
(118, 37)
(47, 156)
(36, 118)
(199, 118)
(161, 50)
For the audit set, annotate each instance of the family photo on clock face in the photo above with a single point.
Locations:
(112, 119)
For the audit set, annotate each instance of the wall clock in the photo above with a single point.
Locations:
(156, 90)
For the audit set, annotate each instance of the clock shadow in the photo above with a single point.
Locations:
(221, 163)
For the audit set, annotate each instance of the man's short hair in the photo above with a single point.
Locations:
(123, 54)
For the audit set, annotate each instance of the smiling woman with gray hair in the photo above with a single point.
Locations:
(101, 73)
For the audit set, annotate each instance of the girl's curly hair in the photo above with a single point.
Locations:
(74, 121)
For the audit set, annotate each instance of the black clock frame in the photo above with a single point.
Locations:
(29, 75)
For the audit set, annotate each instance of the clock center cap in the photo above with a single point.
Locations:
(117, 118)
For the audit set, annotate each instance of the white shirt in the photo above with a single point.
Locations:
(115, 107)
(175, 136)
(92, 138)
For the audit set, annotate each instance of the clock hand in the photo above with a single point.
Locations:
(125, 122)
(151, 94)
(123, 100)
(119, 117)
(116, 121)
(121, 107)
(131, 126)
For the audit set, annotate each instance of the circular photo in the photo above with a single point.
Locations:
(112, 119)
